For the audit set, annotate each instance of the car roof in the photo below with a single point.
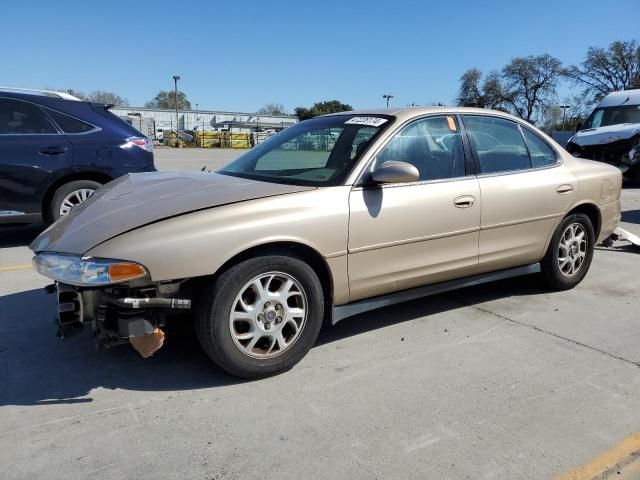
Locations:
(86, 111)
(51, 101)
(623, 97)
(39, 92)
(405, 113)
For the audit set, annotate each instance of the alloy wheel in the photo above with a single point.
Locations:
(73, 199)
(572, 250)
(268, 315)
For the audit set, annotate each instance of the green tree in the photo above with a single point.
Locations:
(272, 109)
(322, 108)
(167, 100)
(605, 71)
(109, 98)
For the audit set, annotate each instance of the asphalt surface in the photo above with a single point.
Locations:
(502, 381)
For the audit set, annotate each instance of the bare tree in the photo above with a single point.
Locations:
(605, 71)
(553, 117)
(109, 98)
(530, 83)
(70, 91)
(489, 94)
(469, 92)
(272, 109)
(493, 91)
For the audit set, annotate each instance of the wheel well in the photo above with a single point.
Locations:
(48, 196)
(299, 250)
(591, 211)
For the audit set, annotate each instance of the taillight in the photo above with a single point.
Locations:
(140, 142)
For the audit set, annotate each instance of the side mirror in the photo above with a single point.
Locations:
(578, 126)
(393, 171)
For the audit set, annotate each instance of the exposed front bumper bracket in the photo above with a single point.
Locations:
(70, 310)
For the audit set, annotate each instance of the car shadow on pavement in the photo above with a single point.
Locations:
(36, 368)
(428, 306)
(18, 236)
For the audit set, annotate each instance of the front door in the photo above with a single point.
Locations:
(30, 150)
(411, 234)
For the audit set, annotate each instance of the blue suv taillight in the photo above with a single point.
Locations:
(139, 142)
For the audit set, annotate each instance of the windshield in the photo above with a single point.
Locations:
(320, 151)
(603, 117)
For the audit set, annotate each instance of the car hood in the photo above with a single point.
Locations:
(142, 198)
(605, 135)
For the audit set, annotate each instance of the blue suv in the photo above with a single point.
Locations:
(56, 150)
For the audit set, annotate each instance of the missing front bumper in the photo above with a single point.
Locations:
(119, 315)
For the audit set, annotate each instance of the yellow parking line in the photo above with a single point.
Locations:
(623, 453)
(24, 266)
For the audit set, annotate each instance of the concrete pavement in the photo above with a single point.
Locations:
(502, 381)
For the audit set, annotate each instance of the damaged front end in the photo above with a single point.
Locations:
(114, 297)
(623, 153)
(120, 314)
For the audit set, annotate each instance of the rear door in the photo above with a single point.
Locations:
(525, 191)
(31, 149)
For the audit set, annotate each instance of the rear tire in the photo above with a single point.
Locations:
(570, 252)
(69, 195)
(261, 300)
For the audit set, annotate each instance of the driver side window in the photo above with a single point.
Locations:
(433, 145)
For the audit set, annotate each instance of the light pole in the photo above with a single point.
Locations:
(175, 100)
(387, 97)
(564, 113)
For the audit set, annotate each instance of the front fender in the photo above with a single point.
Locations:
(199, 243)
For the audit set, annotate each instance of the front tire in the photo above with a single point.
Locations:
(570, 252)
(261, 316)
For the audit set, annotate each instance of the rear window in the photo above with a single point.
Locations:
(69, 124)
(116, 121)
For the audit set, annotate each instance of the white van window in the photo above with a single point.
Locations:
(597, 119)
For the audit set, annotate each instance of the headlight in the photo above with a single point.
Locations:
(86, 271)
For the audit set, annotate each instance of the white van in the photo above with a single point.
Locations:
(611, 134)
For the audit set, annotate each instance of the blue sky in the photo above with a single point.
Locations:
(241, 55)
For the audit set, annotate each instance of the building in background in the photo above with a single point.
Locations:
(202, 120)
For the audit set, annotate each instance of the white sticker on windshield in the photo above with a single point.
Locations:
(370, 121)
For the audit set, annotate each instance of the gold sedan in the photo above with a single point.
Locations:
(331, 217)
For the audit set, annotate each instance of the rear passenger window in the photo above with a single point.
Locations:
(433, 145)
(69, 124)
(22, 118)
(542, 154)
(498, 144)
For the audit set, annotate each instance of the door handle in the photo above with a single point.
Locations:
(464, 201)
(562, 189)
(53, 150)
